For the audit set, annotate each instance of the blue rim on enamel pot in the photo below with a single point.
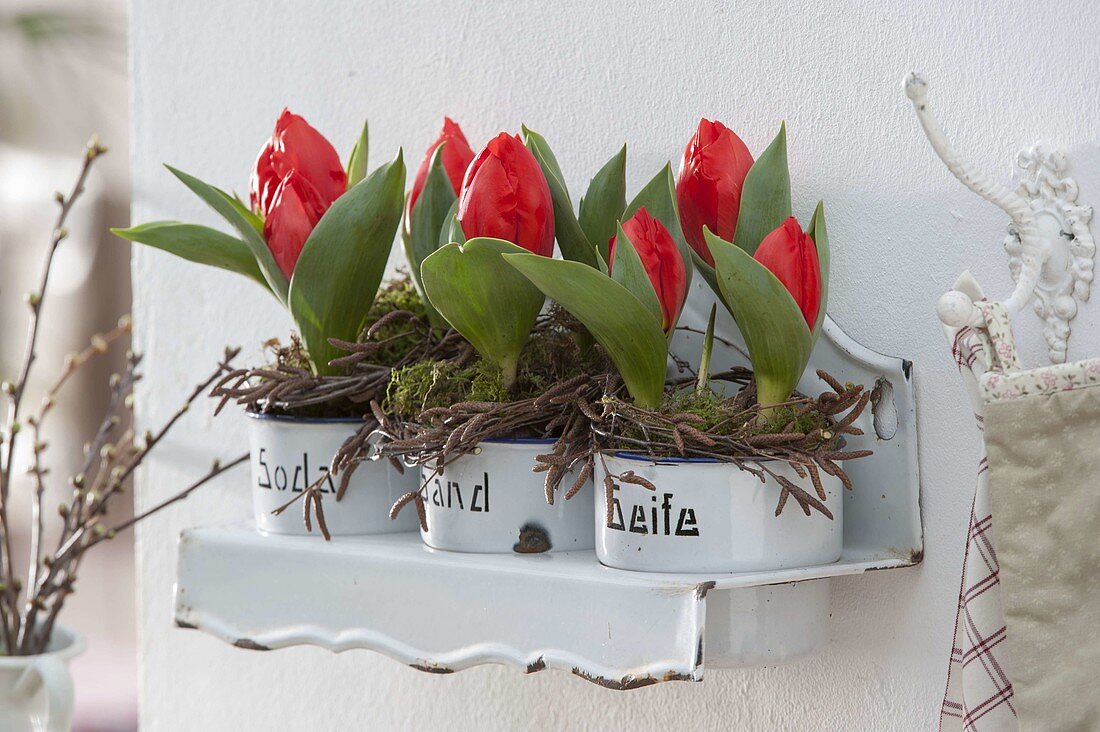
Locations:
(489, 501)
(288, 454)
(709, 516)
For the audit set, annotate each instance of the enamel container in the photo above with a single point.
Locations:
(289, 454)
(490, 501)
(707, 516)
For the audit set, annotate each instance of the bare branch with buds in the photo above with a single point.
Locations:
(28, 613)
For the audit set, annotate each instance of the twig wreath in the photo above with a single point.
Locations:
(805, 433)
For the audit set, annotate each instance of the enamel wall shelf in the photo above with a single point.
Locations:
(442, 612)
(1049, 245)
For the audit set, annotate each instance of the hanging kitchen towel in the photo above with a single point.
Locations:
(1042, 435)
(978, 697)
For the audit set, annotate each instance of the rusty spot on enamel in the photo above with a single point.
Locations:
(629, 683)
(702, 589)
(431, 668)
(533, 539)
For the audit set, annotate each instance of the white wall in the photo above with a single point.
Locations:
(209, 79)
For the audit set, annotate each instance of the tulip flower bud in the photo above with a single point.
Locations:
(708, 189)
(296, 207)
(296, 147)
(662, 261)
(456, 155)
(505, 196)
(791, 255)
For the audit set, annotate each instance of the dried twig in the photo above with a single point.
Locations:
(83, 519)
(99, 345)
(9, 600)
(110, 457)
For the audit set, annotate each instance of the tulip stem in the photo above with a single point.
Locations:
(769, 395)
(508, 370)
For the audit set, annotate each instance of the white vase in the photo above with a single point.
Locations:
(289, 454)
(709, 516)
(490, 501)
(37, 691)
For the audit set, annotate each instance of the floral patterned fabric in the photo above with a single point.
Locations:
(1007, 380)
(1045, 381)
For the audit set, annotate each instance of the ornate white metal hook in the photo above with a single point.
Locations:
(1050, 247)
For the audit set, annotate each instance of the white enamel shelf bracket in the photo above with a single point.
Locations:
(440, 612)
(1050, 247)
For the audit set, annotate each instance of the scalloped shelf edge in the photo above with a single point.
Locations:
(441, 612)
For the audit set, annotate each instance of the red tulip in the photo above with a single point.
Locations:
(296, 207)
(791, 255)
(505, 196)
(456, 157)
(708, 188)
(662, 261)
(295, 146)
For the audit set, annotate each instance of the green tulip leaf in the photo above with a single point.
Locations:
(702, 380)
(248, 214)
(766, 195)
(625, 327)
(601, 263)
(230, 209)
(357, 161)
(427, 220)
(769, 320)
(628, 271)
(341, 265)
(604, 203)
(820, 236)
(538, 145)
(659, 198)
(571, 237)
(451, 230)
(489, 303)
(197, 244)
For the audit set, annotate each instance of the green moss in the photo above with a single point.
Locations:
(399, 294)
(725, 416)
(399, 338)
(705, 403)
(552, 355)
(805, 423)
(487, 384)
(425, 385)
